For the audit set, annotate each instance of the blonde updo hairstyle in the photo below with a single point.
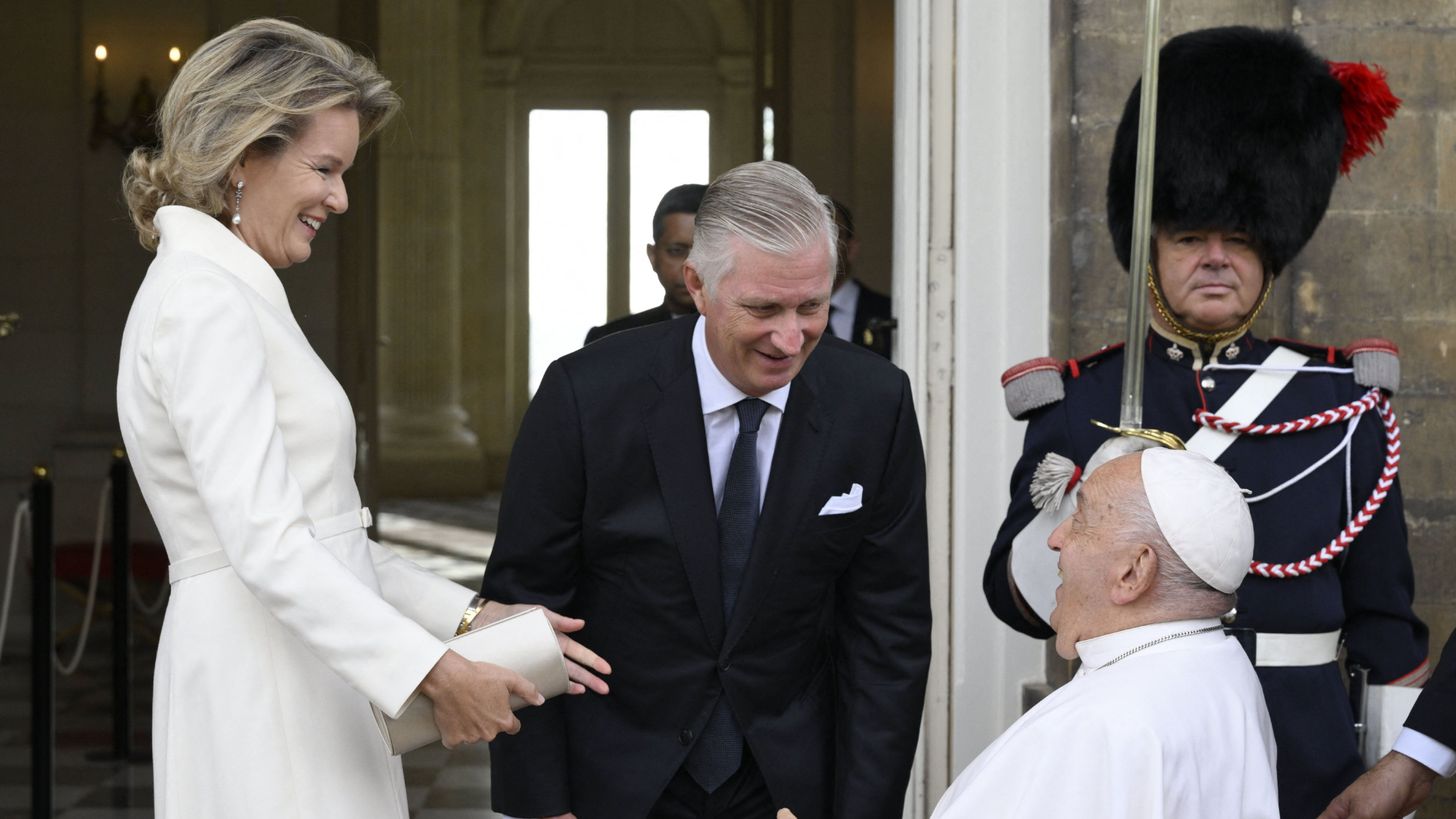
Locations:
(253, 86)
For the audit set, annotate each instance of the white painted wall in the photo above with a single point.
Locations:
(971, 272)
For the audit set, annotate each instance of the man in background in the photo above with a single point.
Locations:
(672, 240)
(857, 314)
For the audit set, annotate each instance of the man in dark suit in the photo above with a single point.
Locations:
(672, 240)
(742, 527)
(1401, 781)
(856, 313)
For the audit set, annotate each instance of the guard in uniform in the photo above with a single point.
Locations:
(1251, 135)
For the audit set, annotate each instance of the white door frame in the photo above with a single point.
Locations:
(971, 272)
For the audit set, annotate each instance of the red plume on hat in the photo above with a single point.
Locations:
(1367, 104)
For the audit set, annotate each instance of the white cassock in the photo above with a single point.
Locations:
(1176, 729)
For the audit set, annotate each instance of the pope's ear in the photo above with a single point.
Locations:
(1138, 576)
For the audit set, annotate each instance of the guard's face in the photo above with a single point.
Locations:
(765, 316)
(1086, 547)
(667, 257)
(1211, 278)
(288, 195)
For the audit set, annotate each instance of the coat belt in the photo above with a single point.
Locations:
(218, 559)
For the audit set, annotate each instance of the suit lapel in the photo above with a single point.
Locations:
(680, 454)
(797, 453)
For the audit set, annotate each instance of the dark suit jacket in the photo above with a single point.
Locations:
(1434, 713)
(650, 316)
(872, 313)
(608, 514)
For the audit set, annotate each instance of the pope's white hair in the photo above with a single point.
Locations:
(766, 205)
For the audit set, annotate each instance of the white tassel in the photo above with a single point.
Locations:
(1049, 482)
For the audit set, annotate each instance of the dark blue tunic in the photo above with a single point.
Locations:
(1367, 592)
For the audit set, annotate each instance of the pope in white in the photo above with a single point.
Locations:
(1165, 718)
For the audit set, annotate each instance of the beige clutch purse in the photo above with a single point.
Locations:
(524, 643)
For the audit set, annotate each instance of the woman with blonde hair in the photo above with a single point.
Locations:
(285, 620)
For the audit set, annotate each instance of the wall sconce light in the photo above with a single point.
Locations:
(139, 126)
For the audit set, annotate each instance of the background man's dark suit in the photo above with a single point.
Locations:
(608, 514)
(651, 315)
(872, 307)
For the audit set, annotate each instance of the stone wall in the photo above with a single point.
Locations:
(1378, 266)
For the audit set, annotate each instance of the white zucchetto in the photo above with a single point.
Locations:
(1202, 514)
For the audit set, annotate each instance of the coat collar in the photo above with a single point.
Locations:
(185, 230)
(1179, 350)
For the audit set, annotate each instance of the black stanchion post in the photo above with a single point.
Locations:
(120, 605)
(42, 645)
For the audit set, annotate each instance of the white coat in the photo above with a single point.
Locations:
(241, 439)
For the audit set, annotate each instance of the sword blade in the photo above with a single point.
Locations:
(1131, 415)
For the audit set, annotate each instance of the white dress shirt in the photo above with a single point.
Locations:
(843, 303)
(720, 417)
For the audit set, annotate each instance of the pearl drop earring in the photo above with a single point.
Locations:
(238, 204)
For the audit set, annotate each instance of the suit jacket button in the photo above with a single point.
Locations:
(686, 737)
(724, 667)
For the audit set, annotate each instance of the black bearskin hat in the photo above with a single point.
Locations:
(1251, 135)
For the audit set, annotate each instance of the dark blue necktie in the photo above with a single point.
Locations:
(719, 751)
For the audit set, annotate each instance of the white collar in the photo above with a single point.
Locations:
(1099, 651)
(714, 390)
(846, 297)
(185, 230)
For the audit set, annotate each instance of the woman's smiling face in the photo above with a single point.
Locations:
(288, 195)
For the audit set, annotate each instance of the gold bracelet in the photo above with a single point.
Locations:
(476, 604)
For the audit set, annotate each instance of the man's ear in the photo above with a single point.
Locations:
(694, 283)
(652, 256)
(1138, 576)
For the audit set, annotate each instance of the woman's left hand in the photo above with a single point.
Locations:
(582, 664)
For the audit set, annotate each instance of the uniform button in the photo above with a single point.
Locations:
(686, 737)
(724, 667)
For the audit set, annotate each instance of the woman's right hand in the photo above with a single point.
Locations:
(473, 700)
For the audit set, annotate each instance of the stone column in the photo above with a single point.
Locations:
(427, 444)
(734, 141)
(493, 249)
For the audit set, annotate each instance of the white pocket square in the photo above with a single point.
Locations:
(844, 504)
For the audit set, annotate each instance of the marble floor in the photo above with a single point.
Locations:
(452, 538)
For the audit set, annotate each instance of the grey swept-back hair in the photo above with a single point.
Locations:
(767, 205)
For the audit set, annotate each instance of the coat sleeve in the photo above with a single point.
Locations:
(1435, 711)
(210, 358)
(1382, 631)
(882, 636)
(1046, 431)
(536, 559)
(421, 595)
